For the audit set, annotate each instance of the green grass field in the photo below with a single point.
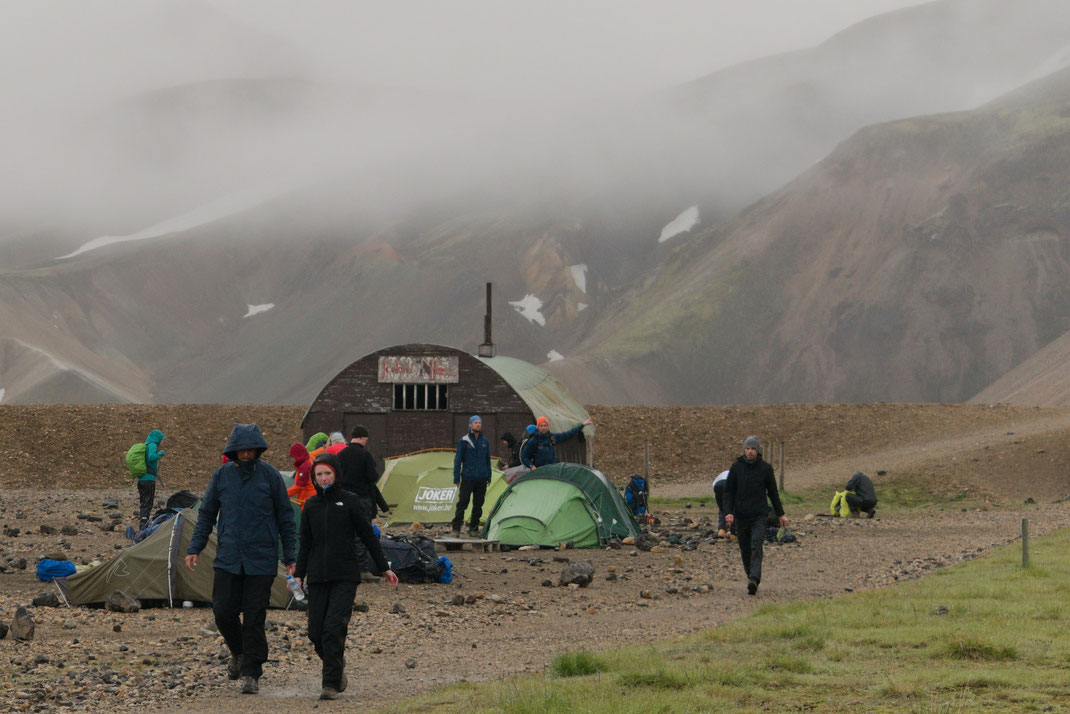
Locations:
(984, 636)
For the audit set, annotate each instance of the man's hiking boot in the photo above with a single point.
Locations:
(870, 513)
(752, 586)
(343, 683)
(249, 685)
(456, 529)
(329, 693)
(234, 667)
(473, 530)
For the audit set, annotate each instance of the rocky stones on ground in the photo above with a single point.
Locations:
(47, 599)
(69, 530)
(22, 625)
(360, 606)
(580, 573)
(119, 601)
(11, 532)
(645, 542)
(56, 555)
(410, 663)
(47, 529)
(398, 609)
(3, 630)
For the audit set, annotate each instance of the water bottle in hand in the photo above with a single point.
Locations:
(295, 588)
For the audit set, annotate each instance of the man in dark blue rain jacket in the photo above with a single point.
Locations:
(249, 497)
(471, 470)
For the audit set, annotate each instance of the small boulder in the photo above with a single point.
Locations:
(3, 630)
(360, 606)
(47, 599)
(581, 573)
(410, 664)
(69, 530)
(398, 609)
(47, 529)
(119, 601)
(22, 625)
(458, 599)
(645, 541)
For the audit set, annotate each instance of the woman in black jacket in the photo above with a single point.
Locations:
(331, 521)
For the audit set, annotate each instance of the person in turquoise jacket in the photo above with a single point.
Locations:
(146, 483)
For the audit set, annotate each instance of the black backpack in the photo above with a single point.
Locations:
(412, 558)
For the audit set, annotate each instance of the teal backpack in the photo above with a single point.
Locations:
(135, 461)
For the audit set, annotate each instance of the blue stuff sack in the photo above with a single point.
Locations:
(447, 569)
(47, 569)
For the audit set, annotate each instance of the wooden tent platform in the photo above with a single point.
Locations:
(451, 543)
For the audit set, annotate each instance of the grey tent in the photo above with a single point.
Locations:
(155, 569)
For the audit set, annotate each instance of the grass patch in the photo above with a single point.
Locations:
(575, 664)
(1001, 645)
(974, 648)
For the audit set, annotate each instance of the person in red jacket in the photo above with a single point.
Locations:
(303, 487)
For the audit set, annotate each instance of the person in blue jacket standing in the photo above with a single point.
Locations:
(539, 449)
(249, 497)
(471, 469)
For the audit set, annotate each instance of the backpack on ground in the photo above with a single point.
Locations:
(135, 461)
(412, 558)
(839, 506)
(636, 494)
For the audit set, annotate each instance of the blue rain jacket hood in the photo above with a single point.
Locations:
(244, 436)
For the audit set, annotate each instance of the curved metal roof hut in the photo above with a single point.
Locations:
(420, 396)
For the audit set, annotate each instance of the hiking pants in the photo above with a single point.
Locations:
(751, 534)
(330, 605)
(146, 493)
(248, 596)
(477, 491)
(856, 504)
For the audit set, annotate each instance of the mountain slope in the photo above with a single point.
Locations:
(918, 262)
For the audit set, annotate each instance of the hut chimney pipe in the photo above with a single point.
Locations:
(487, 348)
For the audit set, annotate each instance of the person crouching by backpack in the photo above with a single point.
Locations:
(146, 483)
(471, 469)
(327, 562)
(750, 480)
(861, 496)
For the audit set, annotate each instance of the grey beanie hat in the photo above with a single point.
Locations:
(751, 442)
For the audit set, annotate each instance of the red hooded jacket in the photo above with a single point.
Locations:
(303, 487)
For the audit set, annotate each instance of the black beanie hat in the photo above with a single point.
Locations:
(359, 432)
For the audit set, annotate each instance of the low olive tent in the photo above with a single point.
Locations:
(155, 569)
(560, 503)
(429, 495)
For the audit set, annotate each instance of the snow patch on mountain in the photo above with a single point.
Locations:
(529, 307)
(257, 309)
(2, 393)
(554, 356)
(579, 274)
(581, 306)
(202, 215)
(681, 224)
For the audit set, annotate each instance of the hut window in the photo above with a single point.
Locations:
(420, 396)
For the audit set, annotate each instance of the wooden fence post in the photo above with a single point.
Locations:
(1025, 542)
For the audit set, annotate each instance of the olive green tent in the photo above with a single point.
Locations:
(401, 471)
(559, 503)
(155, 569)
(430, 496)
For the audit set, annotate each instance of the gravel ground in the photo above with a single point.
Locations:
(171, 660)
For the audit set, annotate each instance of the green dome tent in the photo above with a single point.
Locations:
(400, 472)
(430, 496)
(559, 503)
(155, 569)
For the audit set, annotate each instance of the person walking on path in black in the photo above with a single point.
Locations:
(359, 475)
(471, 469)
(861, 496)
(750, 481)
(249, 497)
(331, 522)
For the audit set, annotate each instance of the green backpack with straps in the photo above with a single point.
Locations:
(135, 461)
